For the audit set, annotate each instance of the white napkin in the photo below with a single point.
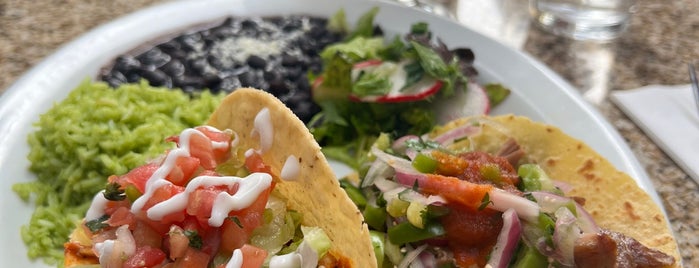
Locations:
(669, 116)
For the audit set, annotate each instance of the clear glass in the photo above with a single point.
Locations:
(583, 19)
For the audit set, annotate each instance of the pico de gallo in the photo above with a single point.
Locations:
(206, 203)
(433, 201)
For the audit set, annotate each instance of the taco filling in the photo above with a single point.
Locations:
(478, 193)
(215, 201)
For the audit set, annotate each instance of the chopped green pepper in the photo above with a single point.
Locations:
(529, 257)
(424, 163)
(405, 232)
(354, 193)
(375, 217)
(378, 240)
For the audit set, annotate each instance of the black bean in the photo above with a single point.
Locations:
(256, 62)
(126, 63)
(289, 60)
(115, 78)
(170, 46)
(188, 62)
(173, 68)
(154, 57)
(294, 73)
(190, 42)
(247, 78)
(156, 78)
(229, 84)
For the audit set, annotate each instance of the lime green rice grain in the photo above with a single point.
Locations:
(96, 132)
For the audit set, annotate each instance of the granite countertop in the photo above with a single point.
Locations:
(660, 42)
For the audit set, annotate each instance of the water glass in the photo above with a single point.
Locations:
(601, 20)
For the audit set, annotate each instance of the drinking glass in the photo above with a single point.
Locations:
(601, 20)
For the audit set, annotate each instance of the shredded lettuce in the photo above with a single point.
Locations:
(316, 239)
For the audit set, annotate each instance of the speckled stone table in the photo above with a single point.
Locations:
(661, 40)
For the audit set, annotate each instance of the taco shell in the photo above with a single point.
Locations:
(612, 197)
(315, 193)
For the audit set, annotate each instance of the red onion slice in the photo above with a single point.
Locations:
(503, 200)
(378, 169)
(454, 134)
(412, 256)
(564, 236)
(550, 203)
(507, 240)
(399, 164)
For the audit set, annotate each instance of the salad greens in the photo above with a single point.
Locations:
(368, 66)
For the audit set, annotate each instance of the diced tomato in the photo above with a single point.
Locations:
(220, 153)
(183, 171)
(113, 206)
(161, 194)
(137, 176)
(122, 216)
(192, 258)
(250, 218)
(200, 147)
(201, 202)
(253, 257)
(145, 257)
(254, 163)
(146, 235)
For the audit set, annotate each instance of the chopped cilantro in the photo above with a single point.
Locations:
(114, 192)
(97, 224)
(485, 202)
(195, 240)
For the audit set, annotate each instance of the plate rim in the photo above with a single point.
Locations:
(15, 100)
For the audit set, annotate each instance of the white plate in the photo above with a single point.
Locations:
(537, 91)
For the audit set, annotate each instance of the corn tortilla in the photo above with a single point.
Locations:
(612, 197)
(315, 193)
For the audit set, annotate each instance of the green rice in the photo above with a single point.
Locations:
(96, 132)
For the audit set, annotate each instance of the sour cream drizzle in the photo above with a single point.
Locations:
(236, 260)
(158, 180)
(291, 169)
(96, 210)
(250, 188)
(263, 127)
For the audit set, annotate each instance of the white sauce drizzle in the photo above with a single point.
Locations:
(263, 128)
(291, 260)
(250, 188)
(158, 180)
(291, 169)
(96, 210)
(236, 260)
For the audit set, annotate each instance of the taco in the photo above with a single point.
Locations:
(249, 189)
(508, 192)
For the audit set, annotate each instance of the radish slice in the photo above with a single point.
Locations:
(507, 240)
(470, 102)
(424, 88)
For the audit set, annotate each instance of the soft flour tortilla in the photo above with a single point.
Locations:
(611, 196)
(316, 193)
